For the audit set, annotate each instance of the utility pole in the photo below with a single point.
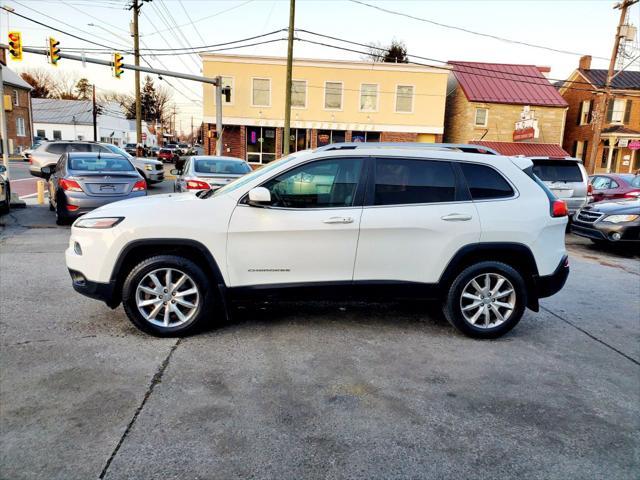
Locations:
(287, 97)
(606, 95)
(219, 115)
(95, 116)
(3, 126)
(192, 130)
(136, 54)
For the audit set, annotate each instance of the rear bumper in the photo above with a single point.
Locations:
(95, 290)
(548, 285)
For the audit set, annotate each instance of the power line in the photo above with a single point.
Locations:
(466, 30)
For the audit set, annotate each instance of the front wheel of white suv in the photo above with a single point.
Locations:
(486, 300)
(167, 296)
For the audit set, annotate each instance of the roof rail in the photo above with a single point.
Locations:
(459, 147)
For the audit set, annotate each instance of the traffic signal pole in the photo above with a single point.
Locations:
(136, 56)
(3, 126)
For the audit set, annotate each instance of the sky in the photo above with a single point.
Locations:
(578, 26)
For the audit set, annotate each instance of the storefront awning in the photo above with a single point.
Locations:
(525, 149)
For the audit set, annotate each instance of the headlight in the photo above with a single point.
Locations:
(620, 218)
(103, 222)
(148, 167)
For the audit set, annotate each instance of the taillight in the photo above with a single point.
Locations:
(559, 209)
(70, 185)
(589, 189)
(635, 194)
(72, 208)
(139, 186)
(197, 185)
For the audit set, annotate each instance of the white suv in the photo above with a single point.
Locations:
(479, 232)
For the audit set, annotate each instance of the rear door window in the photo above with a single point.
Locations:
(557, 170)
(58, 148)
(601, 183)
(485, 182)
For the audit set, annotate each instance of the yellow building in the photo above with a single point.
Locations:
(332, 101)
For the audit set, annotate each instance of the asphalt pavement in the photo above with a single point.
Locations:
(315, 390)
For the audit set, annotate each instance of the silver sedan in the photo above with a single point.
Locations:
(208, 172)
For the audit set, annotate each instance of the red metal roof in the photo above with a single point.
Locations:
(526, 149)
(506, 83)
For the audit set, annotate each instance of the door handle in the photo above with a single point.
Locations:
(456, 217)
(338, 220)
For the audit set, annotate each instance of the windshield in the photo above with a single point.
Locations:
(220, 166)
(102, 164)
(118, 150)
(230, 187)
(557, 171)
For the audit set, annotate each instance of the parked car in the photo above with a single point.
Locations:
(168, 155)
(206, 172)
(131, 149)
(151, 170)
(608, 186)
(5, 191)
(611, 221)
(566, 178)
(185, 149)
(154, 151)
(48, 153)
(424, 221)
(82, 181)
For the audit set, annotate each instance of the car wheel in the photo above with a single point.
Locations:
(61, 216)
(167, 296)
(486, 300)
(5, 207)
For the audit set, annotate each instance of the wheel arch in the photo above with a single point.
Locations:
(516, 255)
(137, 250)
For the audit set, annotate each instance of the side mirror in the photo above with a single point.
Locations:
(3, 168)
(48, 170)
(259, 197)
(175, 171)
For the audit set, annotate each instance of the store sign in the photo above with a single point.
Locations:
(527, 127)
(634, 145)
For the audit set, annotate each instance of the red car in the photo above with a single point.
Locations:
(167, 155)
(607, 186)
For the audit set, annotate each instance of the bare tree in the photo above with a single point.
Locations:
(43, 83)
(65, 88)
(396, 52)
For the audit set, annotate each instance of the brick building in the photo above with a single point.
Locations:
(621, 128)
(332, 101)
(511, 108)
(17, 109)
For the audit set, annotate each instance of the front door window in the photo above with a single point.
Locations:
(261, 144)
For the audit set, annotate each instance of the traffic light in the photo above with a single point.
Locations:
(117, 65)
(15, 45)
(54, 51)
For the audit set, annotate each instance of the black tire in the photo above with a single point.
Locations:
(452, 305)
(61, 217)
(5, 207)
(204, 309)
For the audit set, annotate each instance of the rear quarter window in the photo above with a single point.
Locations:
(557, 171)
(58, 148)
(484, 182)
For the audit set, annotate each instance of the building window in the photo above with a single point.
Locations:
(333, 95)
(616, 111)
(57, 134)
(298, 139)
(585, 112)
(580, 149)
(261, 144)
(365, 137)
(261, 95)
(482, 117)
(227, 82)
(404, 99)
(299, 94)
(20, 131)
(325, 137)
(16, 98)
(41, 133)
(368, 97)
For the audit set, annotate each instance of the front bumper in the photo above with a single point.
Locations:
(154, 176)
(95, 290)
(603, 231)
(547, 285)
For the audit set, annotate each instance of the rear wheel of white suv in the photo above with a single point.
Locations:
(167, 295)
(486, 300)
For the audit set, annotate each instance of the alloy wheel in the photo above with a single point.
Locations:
(488, 300)
(167, 297)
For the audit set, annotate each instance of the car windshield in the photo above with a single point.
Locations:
(102, 164)
(557, 170)
(213, 165)
(230, 187)
(118, 150)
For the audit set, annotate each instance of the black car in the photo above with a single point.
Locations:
(615, 221)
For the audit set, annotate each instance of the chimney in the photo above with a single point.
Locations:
(585, 62)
